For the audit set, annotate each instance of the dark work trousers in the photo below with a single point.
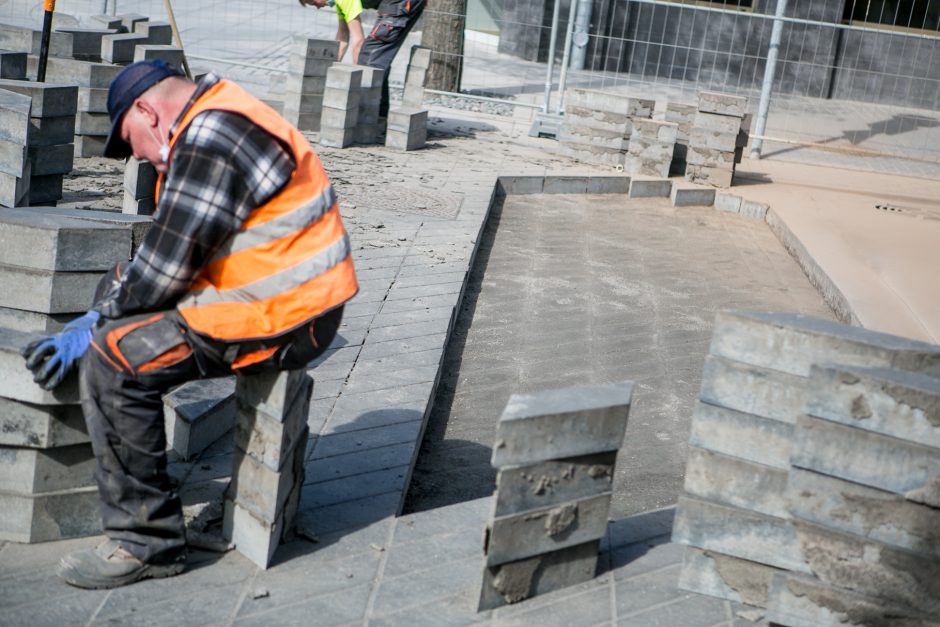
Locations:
(131, 363)
(395, 20)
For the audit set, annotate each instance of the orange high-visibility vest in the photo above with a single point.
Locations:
(291, 260)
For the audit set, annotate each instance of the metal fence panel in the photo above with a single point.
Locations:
(851, 75)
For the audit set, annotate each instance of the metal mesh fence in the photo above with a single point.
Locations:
(855, 75)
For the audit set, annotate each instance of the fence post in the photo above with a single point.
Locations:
(563, 78)
(551, 57)
(767, 87)
(582, 25)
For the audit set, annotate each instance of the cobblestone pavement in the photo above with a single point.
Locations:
(414, 219)
(572, 290)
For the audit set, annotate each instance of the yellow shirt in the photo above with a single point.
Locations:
(348, 10)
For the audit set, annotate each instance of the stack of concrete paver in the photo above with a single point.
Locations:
(340, 105)
(684, 116)
(15, 114)
(268, 469)
(716, 141)
(862, 491)
(555, 452)
(736, 517)
(370, 98)
(49, 142)
(92, 122)
(416, 77)
(49, 268)
(407, 128)
(308, 63)
(652, 144)
(118, 37)
(597, 125)
(119, 47)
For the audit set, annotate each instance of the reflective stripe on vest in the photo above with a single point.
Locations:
(290, 261)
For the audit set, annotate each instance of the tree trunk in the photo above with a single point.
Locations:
(443, 33)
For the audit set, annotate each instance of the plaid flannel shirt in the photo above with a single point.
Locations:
(223, 167)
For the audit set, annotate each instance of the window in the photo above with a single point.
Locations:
(917, 15)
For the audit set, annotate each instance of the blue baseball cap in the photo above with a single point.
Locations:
(127, 87)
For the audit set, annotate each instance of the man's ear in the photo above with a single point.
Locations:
(146, 109)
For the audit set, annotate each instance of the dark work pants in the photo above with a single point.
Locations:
(395, 20)
(132, 362)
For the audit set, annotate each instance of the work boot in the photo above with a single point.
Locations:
(109, 565)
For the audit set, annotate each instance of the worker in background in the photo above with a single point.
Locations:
(246, 268)
(395, 20)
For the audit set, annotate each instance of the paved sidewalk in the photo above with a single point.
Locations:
(414, 219)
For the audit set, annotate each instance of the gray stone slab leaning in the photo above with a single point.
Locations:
(555, 452)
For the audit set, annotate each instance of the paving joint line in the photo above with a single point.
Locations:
(241, 597)
(94, 615)
(379, 573)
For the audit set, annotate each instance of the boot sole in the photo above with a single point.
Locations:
(149, 571)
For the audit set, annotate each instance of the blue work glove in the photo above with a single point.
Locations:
(52, 357)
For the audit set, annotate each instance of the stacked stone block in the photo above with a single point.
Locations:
(50, 137)
(268, 471)
(340, 106)
(15, 114)
(155, 33)
(92, 122)
(171, 54)
(555, 452)
(135, 31)
(49, 268)
(86, 42)
(682, 115)
(140, 184)
(715, 142)
(308, 63)
(597, 125)
(12, 65)
(652, 144)
(415, 77)
(862, 491)
(28, 40)
(407, 128)
(370, 98)
(735, 515)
